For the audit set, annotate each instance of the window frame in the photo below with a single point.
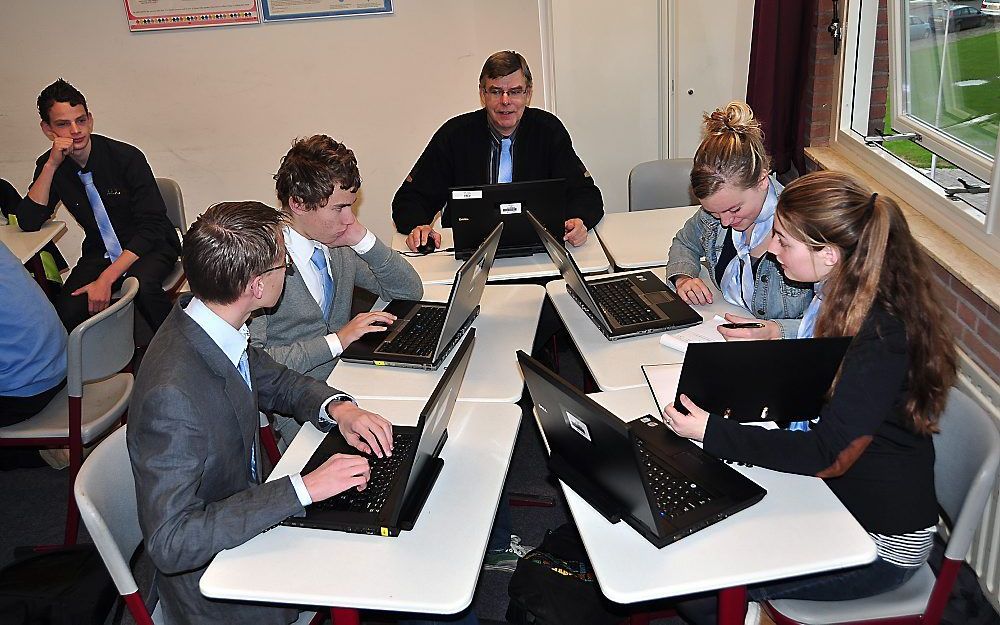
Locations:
(933, 138)
(924, 195)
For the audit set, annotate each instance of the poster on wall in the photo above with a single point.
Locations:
(145, 15)
(278, 10)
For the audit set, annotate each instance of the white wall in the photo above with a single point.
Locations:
(621, 73)
(217, 108)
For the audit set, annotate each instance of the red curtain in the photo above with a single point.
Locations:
(781, 54)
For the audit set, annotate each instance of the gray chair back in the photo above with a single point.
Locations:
(104, 344)
(967, 451)
(661, 184)
(105, 493)
(171, 193)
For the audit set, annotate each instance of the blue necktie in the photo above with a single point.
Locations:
(244, 369)
(101, 215)
(506, 172)
(319, 261)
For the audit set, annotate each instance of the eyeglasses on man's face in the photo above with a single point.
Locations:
(514, 93)
(288, 266)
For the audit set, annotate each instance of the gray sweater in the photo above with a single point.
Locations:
(293, 331)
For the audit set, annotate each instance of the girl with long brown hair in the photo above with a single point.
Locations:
(872, 442)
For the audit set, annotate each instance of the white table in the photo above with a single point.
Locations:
(440, 267)
(507, 322)
(432, 568)
(799, 528)
(615, 364)
(25, 245)
(640, 239)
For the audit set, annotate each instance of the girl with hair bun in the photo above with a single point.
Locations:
(730, 177)
(872, 444)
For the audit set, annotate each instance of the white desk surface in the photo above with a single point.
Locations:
(507, 322)
(440, 267)
(432, 568)
(640, 239)
(798, 528)
(615, 364)
(24, 245)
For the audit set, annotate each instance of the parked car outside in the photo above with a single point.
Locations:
(919, 29)
(991, 7)
(960, 18)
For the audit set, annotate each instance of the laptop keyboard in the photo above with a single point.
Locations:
(674, 495)
(420, 336)
(620, 301)
(383, 476)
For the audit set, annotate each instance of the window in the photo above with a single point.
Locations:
(920, 99)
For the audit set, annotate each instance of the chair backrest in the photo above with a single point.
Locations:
(103, 344)
(105, 494)
(171, 193)
(661, 184)
(967, 451)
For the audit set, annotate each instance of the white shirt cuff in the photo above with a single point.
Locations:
(300, 489)
(336, 348)
(366, 243)
(324, 416)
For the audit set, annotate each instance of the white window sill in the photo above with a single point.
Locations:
(967, 266)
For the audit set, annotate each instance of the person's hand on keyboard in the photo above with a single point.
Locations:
(362, 324)
(693, 290)
(340, 472)
(363, 430)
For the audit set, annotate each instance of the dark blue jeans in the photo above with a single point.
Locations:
(502, 527)
(855, 583)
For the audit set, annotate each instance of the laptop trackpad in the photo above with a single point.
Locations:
(661, 297)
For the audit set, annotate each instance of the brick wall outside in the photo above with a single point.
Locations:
(975, 322)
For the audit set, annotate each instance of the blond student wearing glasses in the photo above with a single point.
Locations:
(505, 141)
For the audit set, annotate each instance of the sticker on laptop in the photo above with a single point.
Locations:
(513, 208)
(578, 426)
(473, 194)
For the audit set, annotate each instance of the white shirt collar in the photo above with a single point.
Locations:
(231, 341)
(301, 248)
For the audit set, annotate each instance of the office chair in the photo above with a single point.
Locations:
(967, 451)
(174, 201)
(96, 394)
(105, 494)
(661, 184)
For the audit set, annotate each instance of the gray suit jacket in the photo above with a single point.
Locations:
(192, 426)
(294, 331)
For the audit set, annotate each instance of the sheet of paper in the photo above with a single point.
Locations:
(662, 380)
(707, 332)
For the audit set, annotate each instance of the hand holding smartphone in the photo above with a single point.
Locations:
(737, 326)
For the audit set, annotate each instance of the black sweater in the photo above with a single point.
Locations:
(459, 155)
(881, 470)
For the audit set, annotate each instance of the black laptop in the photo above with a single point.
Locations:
(425, 332)
(751, 381)
(620, 305)
(476, 211)
(663, 486)
(400, 483)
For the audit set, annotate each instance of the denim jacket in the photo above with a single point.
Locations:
(773, 296)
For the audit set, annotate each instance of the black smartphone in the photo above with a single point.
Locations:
(737, 326)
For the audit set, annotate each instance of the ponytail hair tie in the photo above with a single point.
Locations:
(871, 202)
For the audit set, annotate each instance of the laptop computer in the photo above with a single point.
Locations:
(751, 381)
(425, 332)
(475, 211)
(399, 484)
(620, 305)
(663, 486)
